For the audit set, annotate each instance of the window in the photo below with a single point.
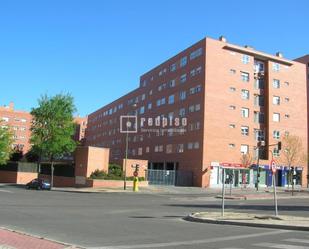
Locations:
(160, 102)
(182, 112)
(142, 110)
(276, 83)
(190, 146)
(147, 149)
(245, 112)
(171, 99)
(232, 89)
(244, 149)
(276, 152)
(259, 135)
(183, 78)
(171, 83)
(173, 67)
(143, 96)
(183, 61)
(258, 66)
(245, 59)
(276, 117)
(287, 99)
(5, 119)
(232, 107)
(258, 100)
(259, 84)
(140, 151)
(244, 94)
(245, 77)
(196, 53)
(232, 145)
(191, 108)
(232, 126)
(276, 67)
(258, 117)
(245, 130)
(197, 107)
(169, 148)
(287, 116)
(196, 89)
(276, 134)
(180, 148)
(196, 145)
(149, 106)
(182, 95)
(276, 100)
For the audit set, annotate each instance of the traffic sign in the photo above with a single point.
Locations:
(273, 166)
(135, 173)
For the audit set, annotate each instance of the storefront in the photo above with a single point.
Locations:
(284, 176)
(236, 175)
(239, 176)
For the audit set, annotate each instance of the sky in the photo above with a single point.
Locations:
(96, 50)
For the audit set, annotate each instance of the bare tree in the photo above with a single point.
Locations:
(292, 155)
(246, 161)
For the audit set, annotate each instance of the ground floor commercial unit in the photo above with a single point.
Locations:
(236, 176)
(239, 176)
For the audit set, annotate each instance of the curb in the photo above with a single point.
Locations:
(191, 218)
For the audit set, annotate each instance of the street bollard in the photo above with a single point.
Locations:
(135, 184)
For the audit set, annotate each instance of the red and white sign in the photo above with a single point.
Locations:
(231, 165)
(273, 166)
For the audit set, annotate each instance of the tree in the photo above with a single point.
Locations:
(53, 128)
(6, 140)
(246, 161)
(292, 154)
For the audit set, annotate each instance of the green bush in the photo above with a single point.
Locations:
(115, 170)
(114, 173)
(98, 174)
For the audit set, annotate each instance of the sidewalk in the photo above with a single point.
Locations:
(246, 219)
(13, 240)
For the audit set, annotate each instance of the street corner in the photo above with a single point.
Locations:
(14, 240)
(285, 222)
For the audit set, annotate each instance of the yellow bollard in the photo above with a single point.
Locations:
(135, 184)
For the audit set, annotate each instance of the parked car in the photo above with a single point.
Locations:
(38, 184)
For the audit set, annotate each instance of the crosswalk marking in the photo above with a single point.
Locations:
(305, 241)
(280, 246)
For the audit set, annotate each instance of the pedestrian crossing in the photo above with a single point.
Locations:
(290, 243)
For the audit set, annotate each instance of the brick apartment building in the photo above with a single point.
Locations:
(231, 96)
(305, 60)
(20, 123)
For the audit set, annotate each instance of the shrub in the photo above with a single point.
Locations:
(98, 174)
(115, 170)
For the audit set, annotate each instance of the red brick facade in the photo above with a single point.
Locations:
(232, 96)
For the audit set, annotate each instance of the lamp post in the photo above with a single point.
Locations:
(126, 159)
(128, 125)
(260, 144)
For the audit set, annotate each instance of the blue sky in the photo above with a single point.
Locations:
(96, 50)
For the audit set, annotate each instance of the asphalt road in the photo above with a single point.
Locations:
(136, 220)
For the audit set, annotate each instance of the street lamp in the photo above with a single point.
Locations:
(260, 144)
(128, 126)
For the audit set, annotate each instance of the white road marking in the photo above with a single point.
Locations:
(280, 246)
(195, 242)
(305, 241)
(5, 191)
